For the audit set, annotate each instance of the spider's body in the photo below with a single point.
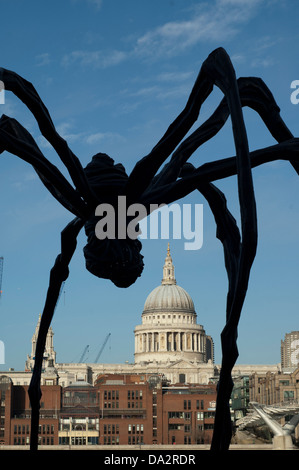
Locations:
(102, 182)
(116, 259)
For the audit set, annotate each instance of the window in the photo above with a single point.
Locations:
(179, 414)
(208, 426)
(182, 378)
(209, 414)
(187, 404)
(112, 396)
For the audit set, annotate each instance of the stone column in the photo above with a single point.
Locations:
(172, 341)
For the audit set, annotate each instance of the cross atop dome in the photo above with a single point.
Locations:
(168, 269)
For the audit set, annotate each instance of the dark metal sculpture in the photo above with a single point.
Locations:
(102, 181)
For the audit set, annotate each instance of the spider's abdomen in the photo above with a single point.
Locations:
(119, 260)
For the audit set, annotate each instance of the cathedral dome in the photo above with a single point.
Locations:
(168, 297)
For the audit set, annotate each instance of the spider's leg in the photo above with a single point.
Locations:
(217, 170)
(255, 94)
(146, 168)
(26, 92)
(17, 140)
(221, 72)
(229, 234)
(59, 273)
(218, 70)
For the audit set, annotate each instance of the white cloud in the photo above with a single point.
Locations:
(214, 22)
(263, 62)
(174, 76)
(96, 3)
(100, 136)
(96, 59)
(146, 91)
(43, 59)
(30, 176)
(67, 131)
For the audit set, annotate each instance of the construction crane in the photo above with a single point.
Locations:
(84, 353)
(1, 273)
(102, 348)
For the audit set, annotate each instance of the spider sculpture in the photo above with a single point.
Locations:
(102, 181)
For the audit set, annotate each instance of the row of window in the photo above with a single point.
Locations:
(183, 317)
(114, 394)
(114, 440)
(114, 429)
(179, 414)
(134, 394)
(135, 428)
(179, 427)
(132, 440)
(115, 404)
(22, 441)
(111, 394)
(111, 429)
(25, 429)
(78, 440)
(186, 415)
(187, 427)
(111, 440)
(199, 404)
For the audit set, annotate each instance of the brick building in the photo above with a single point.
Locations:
(16, 413)
(116, 410)
(130, 409)
(271, 388)
(188, 414)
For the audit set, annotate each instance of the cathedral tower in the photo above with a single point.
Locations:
(169, 331)
(49, 354)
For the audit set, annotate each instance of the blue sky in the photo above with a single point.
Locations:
(114, 75)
